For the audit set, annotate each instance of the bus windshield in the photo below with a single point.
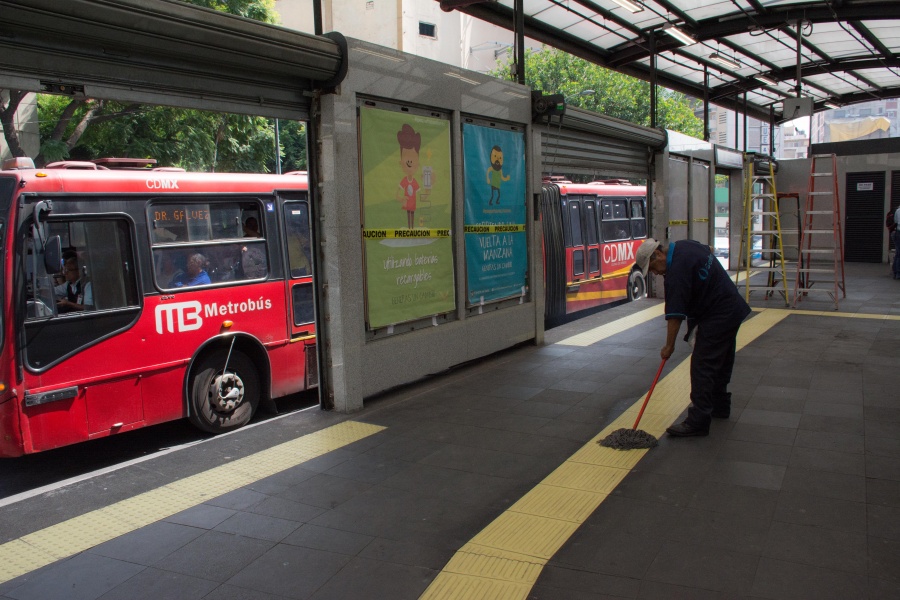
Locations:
(7, 187)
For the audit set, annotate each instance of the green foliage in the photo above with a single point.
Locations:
(292, 136)
(84, 129)
(258, 10)
(615, 94)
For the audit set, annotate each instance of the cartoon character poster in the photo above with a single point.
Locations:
(406, 216)
(496, 243)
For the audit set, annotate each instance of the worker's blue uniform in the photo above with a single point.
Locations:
(699, 290)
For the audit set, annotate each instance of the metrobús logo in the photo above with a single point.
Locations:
(188, 316)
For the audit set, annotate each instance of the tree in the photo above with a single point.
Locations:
(86, 128)
(615, 94)
(292, 137)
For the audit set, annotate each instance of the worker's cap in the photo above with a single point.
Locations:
(643, 254)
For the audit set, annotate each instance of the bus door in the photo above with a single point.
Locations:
(591, 224)
(299, 272)
(575, 247)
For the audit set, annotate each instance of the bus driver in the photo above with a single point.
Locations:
(75, 293)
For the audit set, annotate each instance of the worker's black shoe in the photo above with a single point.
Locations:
(686, 430)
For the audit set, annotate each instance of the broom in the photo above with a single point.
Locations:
(629, 439)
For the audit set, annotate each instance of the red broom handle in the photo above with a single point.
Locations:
(647, 399)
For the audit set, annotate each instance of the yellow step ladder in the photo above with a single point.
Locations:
(761, 208)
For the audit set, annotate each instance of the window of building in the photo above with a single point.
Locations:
(428, 29)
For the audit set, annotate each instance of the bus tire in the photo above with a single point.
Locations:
(637, 287)
(222, 402)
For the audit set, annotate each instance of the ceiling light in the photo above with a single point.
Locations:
(724, 61)
(765, 80)
(832, 105)
(679, 35)
(629, 5)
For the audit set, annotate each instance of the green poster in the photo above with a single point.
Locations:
(406, 216)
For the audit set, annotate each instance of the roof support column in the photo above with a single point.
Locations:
(520, 41)
(737, 124)
(705, 103)
(772, 130)
(652, 79)
(317, 17)
(745, 121)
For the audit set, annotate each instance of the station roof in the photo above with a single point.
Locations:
(849, 50)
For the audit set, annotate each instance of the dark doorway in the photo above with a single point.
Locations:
(895, 200)
(865, 219)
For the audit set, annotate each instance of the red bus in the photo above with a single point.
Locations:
(591, 232)
(134, 297)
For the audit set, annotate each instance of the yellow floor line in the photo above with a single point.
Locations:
(504, 560)
(834, 313)
(78, 534)
(586, 338)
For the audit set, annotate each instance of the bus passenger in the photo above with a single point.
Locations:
(297, 254)
(196, 273)
(167, 270)
(251, 227)
(75, 294)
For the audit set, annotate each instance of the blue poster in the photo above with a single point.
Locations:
(496, 243)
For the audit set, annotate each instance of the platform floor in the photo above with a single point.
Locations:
(488, 482)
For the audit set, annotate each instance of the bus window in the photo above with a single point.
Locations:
(575, 223)
(615, 225)
(195, 222)
(206, 244)
(97, 273)
(638, 219)
(296, 217)
(590, 223)
(592, 235)
(98, 279)
(304, 312)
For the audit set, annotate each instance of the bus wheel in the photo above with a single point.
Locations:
(222, 401)
(636, 286)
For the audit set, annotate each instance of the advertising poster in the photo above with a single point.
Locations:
(406, 216)
(496, 246)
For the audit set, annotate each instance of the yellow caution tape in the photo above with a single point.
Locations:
(380, 234)
(494, 228)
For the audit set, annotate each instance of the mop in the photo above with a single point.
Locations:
(629, 439)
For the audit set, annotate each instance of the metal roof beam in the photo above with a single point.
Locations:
(847, 65)
(677, 12)
(814, 12)
(780, 17)
(536, 30)
(867, 96)
(869, 37)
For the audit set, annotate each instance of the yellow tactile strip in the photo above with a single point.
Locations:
(592, 336)
(503, 560)
(65, 539)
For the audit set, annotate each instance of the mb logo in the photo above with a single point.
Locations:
(179, 316)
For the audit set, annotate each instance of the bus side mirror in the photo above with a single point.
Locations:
(53, 255)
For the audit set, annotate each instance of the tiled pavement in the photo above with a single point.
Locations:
(797, 495)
